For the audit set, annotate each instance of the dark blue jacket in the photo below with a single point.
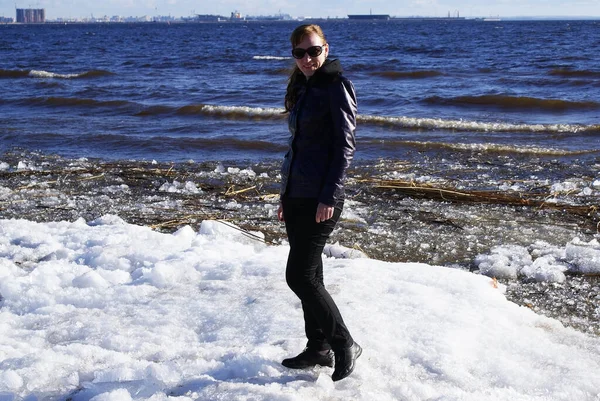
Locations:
(321, 145)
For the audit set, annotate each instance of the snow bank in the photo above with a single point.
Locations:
(112, 311)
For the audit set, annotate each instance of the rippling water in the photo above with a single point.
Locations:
(214, 91)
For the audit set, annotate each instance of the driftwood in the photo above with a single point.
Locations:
(537, 200)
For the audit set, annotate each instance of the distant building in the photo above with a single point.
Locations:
(209, 18)
(31, 15)
(277, 17)
(6, 20)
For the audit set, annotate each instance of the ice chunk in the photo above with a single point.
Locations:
(561, 187)
(545, 268)
(585, 257)
(504, 261)
(108, 220)
(341, 252)
(178, 187)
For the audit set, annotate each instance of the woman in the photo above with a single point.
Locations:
(322, 119)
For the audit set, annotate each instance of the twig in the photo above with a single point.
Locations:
(232, 193)
(92, 177)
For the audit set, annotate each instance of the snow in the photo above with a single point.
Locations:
(109, 311)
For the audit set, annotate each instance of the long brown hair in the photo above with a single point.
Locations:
(291, 94)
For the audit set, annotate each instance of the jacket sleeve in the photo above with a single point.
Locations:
(343, 111)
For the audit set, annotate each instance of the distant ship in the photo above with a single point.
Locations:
(369, 16)
(428, 18)
(416, 18)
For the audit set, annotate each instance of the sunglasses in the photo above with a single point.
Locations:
(313, 51)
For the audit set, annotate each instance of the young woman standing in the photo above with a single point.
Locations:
(321, 104)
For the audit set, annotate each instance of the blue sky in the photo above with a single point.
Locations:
(307, 8)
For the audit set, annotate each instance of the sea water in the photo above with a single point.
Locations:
(214, 91)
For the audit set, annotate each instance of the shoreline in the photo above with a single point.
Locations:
(397, 224)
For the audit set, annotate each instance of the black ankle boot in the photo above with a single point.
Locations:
(309, 358)
(344, 361)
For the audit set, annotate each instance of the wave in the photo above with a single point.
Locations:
(229, 112)
(140, 110)
(87, 74)
(155, 111)
(270, 58)
(359, 67)
(234, 112)
(74, 102)
(561, 72)
(464, 125)
(483, 147)
(274, 113)
(407, 74)
(513, 102)
(48, 74)
(13, 73)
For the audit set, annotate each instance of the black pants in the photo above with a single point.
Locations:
(324, 326)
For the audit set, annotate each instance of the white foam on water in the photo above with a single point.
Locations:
(270, 58)
(464, 125)
(47, 74)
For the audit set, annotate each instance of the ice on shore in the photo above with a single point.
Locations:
(187, 187)
(109, 311)
(541, 261)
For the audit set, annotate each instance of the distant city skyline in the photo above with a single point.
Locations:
(309, 8)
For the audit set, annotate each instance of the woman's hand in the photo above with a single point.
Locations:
(324, 212)
(280, 213)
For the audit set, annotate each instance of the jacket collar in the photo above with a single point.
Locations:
(328, 71)
(331, 67)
